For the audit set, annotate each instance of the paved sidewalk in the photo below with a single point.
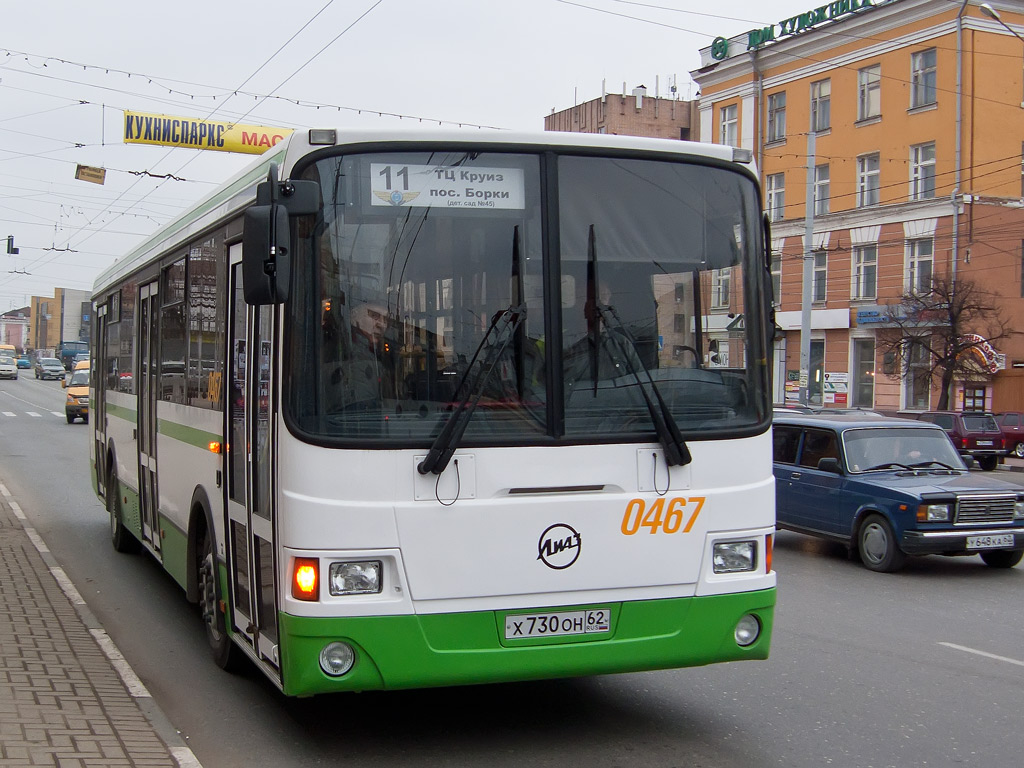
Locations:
(67, 696)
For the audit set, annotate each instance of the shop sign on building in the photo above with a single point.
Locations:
(836, 388)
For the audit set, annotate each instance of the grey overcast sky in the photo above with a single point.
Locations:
(68, 70)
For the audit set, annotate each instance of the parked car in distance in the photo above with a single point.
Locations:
(24, 361)
(8, 367)
(77, 386)
(1012, 424)
(889, 488)
(973, 433)
(49, 368)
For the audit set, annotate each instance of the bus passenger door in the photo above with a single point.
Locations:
(249, 471)
(98, 399)
(149, 314)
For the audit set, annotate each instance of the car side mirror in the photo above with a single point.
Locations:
(830, 464)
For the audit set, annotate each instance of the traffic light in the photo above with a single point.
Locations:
(10, 246)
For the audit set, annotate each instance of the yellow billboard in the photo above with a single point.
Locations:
(170, 131)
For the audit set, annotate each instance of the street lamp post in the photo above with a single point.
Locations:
(992, 13)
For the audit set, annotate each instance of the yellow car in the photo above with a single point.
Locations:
(77, 385)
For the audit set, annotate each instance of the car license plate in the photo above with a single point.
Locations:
(557, 623)
(984, 442)
(990, 542)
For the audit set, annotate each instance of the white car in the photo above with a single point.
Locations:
(8, 367)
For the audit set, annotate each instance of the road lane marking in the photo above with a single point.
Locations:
(976, 652)
(10, 413)
(57, 413)
(34, 414)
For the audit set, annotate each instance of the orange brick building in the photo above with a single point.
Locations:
(917, 114)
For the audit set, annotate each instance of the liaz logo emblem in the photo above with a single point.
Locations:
(559, 546)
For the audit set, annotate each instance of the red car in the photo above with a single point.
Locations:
(1012, 424)
(974, 434)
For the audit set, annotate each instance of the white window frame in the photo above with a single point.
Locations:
(729, 126)
(822, 181)
(864, 261)
(922, 171)
(775, 196)
(821, 105)
(720, 284)
(869, 179)
(923, 76)
(820, 277)
(869, 92)
(920, 251)
(776, 116)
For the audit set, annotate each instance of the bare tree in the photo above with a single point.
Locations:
(944, 333)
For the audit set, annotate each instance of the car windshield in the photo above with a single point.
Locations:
(79, 379)
(50, 361)
(6, 360)
(884, 448)
(406, 305)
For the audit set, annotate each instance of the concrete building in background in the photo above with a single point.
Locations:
(67, 316)
(636, 114)
(917, 113)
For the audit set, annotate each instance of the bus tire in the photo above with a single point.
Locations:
(120, 536)
(226, 654)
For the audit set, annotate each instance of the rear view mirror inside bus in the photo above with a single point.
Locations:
(266, 257)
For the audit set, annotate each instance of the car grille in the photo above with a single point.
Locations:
(975, 510)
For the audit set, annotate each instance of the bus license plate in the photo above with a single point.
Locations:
(990, 542)
(557, 623)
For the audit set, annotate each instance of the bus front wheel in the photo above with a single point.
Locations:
(120, 536)
(226, 655)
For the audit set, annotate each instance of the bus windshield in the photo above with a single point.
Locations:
(558, 296)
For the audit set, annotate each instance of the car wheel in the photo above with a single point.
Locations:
(877, 545)
(988, 463)
(71, 419)
(120, 536)
(1002, 558)
(225, 653)
(1018, 450)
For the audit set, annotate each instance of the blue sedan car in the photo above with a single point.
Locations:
(889, 488)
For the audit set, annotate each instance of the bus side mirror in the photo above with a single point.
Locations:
(266, 254)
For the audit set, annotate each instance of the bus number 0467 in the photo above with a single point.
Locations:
(663, 515)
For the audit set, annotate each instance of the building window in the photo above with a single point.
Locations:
(862, 392)
(680, 293)
(820, 274)
(821, 189)
(922, 172)
(776, 116)
(777, 278)
(776, 189)
(917, 375)
(922, 78)
(868, 179)
(920, 254)
(865, 271)
(974, 398)
(816, 372)
(869, 92)
(821, 92)
(679, 323)
(720, 288)
(729, 133)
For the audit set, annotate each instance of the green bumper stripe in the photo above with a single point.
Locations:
(465, 648)
(190, 435)
(121, 412)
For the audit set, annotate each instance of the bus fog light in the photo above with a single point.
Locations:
(359, 578)
(337, 658)
(748, 629)
(734, 556)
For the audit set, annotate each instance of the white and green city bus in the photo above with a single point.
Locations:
(439, 408)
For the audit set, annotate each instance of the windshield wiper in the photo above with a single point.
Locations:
(933, 461)
(887, 465)
(676, 452)
(444, 445)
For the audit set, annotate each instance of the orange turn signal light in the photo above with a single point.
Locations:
(306, 580)
(214, 447)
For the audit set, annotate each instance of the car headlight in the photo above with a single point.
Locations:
(734, 556)
(933, 513)
(355, 578)
(1018, 509)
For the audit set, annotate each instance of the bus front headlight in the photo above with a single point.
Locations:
(355, 578)
(734, 556)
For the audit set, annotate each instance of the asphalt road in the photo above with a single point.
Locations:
(920, 668)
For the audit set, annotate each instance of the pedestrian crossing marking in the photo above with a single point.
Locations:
(10, 413)
(34, 414)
